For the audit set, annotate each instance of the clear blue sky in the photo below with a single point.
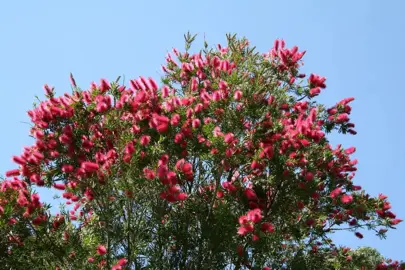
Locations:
(358, 45)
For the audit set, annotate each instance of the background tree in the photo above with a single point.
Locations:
(225, 165)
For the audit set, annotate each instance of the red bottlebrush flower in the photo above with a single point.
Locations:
(19, 160)
(300, 205)
(336, 192)
(255, 215)
(162, 127)
(101, 250)
(220, 194)
(315, 91)
(187, 168)
(317, 80)
(255, 237)
(359, 235)
(149, 174)
(350, 150)
(59, 186)
(122, 261)
(256, 165)
(145, 140)
(346, 199)
(344, 117)
(395, 221)
(67, 168)
(242, 230)
(175, 120)
(250, 194)
(182, 196)
(90, 166)
(11, 173)
(267, 227)
(266, 268)
(309, 176)
(267, 152)
(90, 260)
(237, 95)
(104, 85)
(196, 123)
(243, 220)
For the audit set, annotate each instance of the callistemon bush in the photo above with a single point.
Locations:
(225, 162)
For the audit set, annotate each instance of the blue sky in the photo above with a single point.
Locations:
(358, 45)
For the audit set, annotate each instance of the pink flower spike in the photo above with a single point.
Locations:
(89, 166)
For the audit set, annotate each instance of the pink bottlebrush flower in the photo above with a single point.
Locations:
(243, 220)
(59, 186)
(237, 95)
(229, 137)
(72, 80)
(162, 127)
(336, 192)
(101, 107)
(182, 196)
(48, 90)
(267, 152)
(395, 221)
(346, 199)
(223, 85)
(66, 168)
(39, 134)
(187, 168)
(350, 150)
(255, 215)
(220, 194)
(194, 84)
(154, 86)
(104, 85)
(149, 174)
(90, 260)
(88, 166)
(270, 100)
(101, 250)
(344, 117)
(198, 108)
(346, 101)
(216, 96)
(196, 123)
(172, 178)
(317, 81)
(11, 173)
(174, 121)
(19, 160)
(267, 227)
(165, 91)
(256, 165)
(242, 231)
(144, 140)
(315, 91)
(250, 194)
(309, 176)
(122, 261)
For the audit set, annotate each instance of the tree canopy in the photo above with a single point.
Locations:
(225, 164)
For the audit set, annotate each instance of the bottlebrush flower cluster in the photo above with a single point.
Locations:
(227, 130)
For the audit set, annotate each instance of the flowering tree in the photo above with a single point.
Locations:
(225, 165)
